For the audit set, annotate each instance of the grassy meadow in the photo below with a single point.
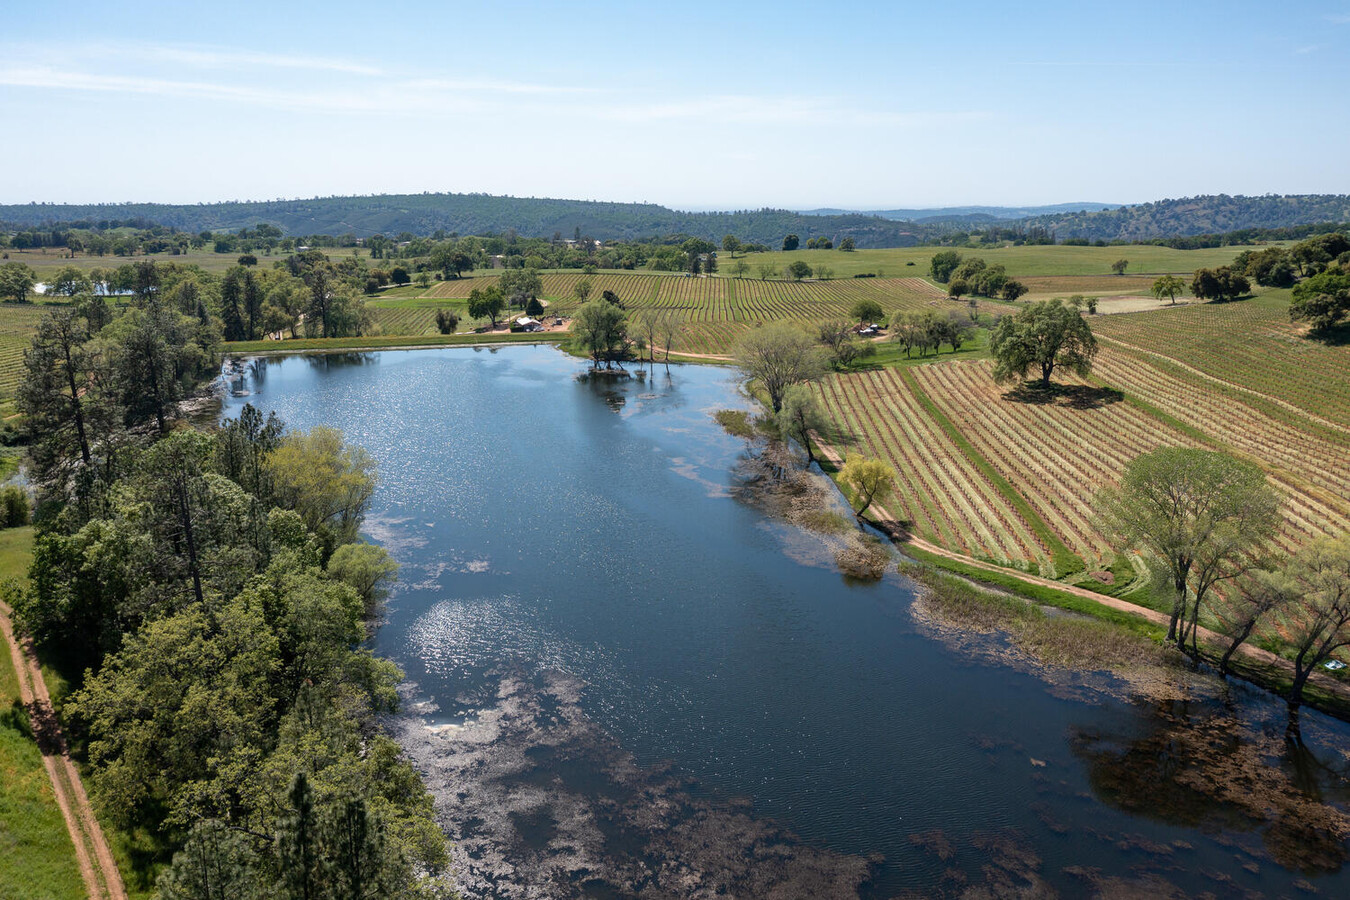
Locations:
(1021, 262)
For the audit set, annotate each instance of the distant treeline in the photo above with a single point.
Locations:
(449, 255)
(339, 221)
(426, 214)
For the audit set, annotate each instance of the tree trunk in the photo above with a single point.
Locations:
(154, 391)
(75, 404)
(1237, 642)
(1178, 609)
(1296, 689)
(185, 516)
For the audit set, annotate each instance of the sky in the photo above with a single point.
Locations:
(690, 105)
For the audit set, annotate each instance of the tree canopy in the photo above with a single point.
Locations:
(1223, 283)
(487, 303)
(800, 417)
(869, 479)
(1201, 514)
(1042, 337)
(1167, 286)
(600, 329)
(779, 355)
(867, 310)
(1323, 301)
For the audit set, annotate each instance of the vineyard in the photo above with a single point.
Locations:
(1249, 343)
(409, 320)
(1056, 452)
(17, 325)
(941, 493)
(1048, 455)
(1313, 472)
(713, 312)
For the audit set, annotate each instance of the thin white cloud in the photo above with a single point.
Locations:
(1339, 18)
(383, 95)
(490, 86)
(381, 99)
(1310, 48)
(769, 110)
(235, 59)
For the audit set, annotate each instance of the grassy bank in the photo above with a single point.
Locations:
(1042, 594)
(386, 342)
(1090, 641)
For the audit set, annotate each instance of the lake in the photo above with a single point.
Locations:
(621, 680)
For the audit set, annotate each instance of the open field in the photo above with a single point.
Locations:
(1022, 262)
(1043, 287)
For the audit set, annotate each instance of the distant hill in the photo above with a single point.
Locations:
(948, 213)
(424, 214)
(1212, 214)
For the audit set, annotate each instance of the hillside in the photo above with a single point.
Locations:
(424, 214)
(427, 213)
(996, 213)
(1187, 216)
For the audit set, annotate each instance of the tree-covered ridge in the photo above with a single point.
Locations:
(429, 213)
(1213, 214)
(426, 214)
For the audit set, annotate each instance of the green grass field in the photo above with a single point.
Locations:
(1021, 262)
(37, 859)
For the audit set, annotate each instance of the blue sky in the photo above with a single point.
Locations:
(692, 105)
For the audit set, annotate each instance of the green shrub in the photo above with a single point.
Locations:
(14, 510)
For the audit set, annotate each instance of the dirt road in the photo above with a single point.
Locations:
(97, 866)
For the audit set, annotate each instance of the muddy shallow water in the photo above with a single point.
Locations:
(623, 682)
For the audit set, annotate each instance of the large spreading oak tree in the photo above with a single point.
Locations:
(1043, 336)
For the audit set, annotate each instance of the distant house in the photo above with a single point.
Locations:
(525, 323)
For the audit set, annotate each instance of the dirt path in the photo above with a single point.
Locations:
(675, 353)
(890, 524)
(1283, 404)
(97, 866)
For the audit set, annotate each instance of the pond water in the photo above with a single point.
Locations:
(622, 680)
